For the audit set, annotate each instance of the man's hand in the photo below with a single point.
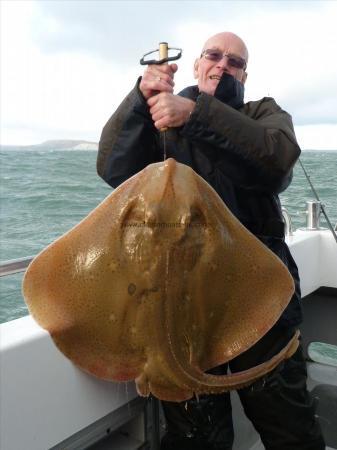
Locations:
(168, 110)
(157, 78)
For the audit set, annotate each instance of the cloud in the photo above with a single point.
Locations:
(66, 66)
(117, 30)
(291, 50)
(64, 94)
(291, 60)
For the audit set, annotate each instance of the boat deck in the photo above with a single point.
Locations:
(320, 317)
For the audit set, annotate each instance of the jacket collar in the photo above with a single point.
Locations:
(229, 91)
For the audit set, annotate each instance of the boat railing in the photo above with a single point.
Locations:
(287, 219)
(14, 266)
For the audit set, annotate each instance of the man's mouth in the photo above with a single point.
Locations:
(215, 77)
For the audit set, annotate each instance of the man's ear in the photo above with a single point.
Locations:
(244, 77)
(195, 68)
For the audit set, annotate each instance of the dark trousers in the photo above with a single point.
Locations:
(279, 406)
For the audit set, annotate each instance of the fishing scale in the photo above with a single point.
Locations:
(164, 58)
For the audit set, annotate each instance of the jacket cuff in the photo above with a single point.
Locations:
(199, 117)
(211, 116)
(200, 111)
(140, 104)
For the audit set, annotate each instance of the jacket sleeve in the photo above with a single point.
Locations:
(255, 146)
(128, 141)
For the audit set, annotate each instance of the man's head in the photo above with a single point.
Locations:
(223, 52)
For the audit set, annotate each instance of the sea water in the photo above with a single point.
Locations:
(45, 193)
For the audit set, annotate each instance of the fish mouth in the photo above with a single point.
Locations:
(215, 77)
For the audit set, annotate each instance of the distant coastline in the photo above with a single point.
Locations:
(73, 145)
(55, 145)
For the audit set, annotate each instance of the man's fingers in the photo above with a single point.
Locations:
(158, 115)
(156, 84)
(163, 122)
(158, 77)
(173, 67)
(161, 86)
(157, 109)
(153, 100)
(168, 69)
(170, 110)
(154, 110)
(164, 72)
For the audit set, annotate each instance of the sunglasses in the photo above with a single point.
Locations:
(217, 55)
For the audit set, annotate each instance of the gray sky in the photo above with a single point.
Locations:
(66, 65)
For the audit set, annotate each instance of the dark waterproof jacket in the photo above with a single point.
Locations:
(246, 152)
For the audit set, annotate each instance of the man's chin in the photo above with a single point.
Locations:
(209, 89)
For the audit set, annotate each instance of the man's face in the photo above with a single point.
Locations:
(208, 72)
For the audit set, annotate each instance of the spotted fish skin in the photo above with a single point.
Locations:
(159, 284)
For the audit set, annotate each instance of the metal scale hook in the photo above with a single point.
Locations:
(163, 59)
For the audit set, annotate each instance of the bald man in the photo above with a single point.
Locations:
(246, 152)
(172, 110)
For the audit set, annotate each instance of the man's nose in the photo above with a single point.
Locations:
(223, 63)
